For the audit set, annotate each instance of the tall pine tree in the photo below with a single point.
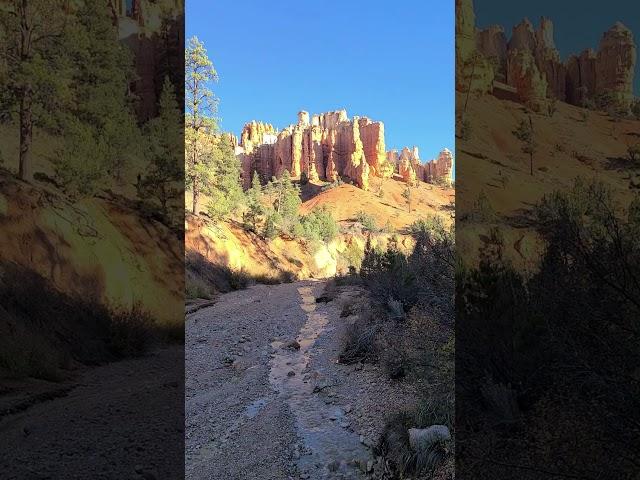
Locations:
(163, 182)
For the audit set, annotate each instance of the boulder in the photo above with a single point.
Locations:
(423, 438)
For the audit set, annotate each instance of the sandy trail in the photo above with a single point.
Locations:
(120, 420)
(254, 406)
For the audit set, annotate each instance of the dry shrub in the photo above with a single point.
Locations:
(44, 328)
(359, 342)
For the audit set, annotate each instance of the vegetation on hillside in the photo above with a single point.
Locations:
(64, 76)
(409, 330)
(573, 321)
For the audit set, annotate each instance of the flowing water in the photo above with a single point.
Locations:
(331, 450)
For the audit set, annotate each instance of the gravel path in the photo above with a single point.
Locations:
(123, 420)
(265, 398)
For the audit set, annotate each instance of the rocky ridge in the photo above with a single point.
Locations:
(530, 63)
(330, 146)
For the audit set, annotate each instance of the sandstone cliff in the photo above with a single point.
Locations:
(530, 63)
(326, 147)
(437, 171)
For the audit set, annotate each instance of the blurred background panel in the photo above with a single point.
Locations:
(91, 251)
(547, 149)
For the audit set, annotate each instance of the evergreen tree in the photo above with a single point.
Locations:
(408, 196)
(200, 108)
(287, 202)
(255, 209)
(225, 189)
(35, 86)
(164, 179)
(525, 134)
(104, 117)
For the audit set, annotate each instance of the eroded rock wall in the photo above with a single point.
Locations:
(531, 63)
(326, 147)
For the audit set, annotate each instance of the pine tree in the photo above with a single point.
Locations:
(408, 196)
(225, 189)
(164, 179)
(255, 209)
(200, 106)
(35, 87)
(525, 134)
(288, 202)
(103, 120)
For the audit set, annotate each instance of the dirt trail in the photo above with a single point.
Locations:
(121, 420)
(256, 397)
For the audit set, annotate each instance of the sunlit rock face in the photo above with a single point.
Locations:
(440, 170)
(324, 146)
(329, 146)
(474, 71)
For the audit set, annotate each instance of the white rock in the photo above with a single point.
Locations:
(422, 438)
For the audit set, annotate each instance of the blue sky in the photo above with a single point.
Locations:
(389, 60)
(577, 24)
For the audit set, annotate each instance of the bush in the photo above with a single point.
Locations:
(528, 338)
(359, 342)
(130, 331)
(483, 211)
(28, 354)
(633, 153)
(334, 184)
(271, 226)
(552, 106)
(353, 255)
(318, 225)
(406, 462)
(367, 221)
(196, 288)
(54, 327)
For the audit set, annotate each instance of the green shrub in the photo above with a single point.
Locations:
(271, 225)
(318, 225)
(334, 184)
(367, 221)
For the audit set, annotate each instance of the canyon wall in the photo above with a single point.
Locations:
(327, 146)
(530, 63)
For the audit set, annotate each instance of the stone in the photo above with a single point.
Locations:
(530, 63)
(328, 147)
(580, 77)
(423, 438)
(524, 75)
(440, 170)
(523, 37)
(615, 64)
(492, 43)
(406, 167)
(292, 345)
(548, 60)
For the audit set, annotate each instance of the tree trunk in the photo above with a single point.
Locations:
(26, 135)
(26, 95)
(532, 145)
(196, 197)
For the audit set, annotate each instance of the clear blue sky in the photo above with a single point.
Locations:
(577, 24)
(389, 60)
